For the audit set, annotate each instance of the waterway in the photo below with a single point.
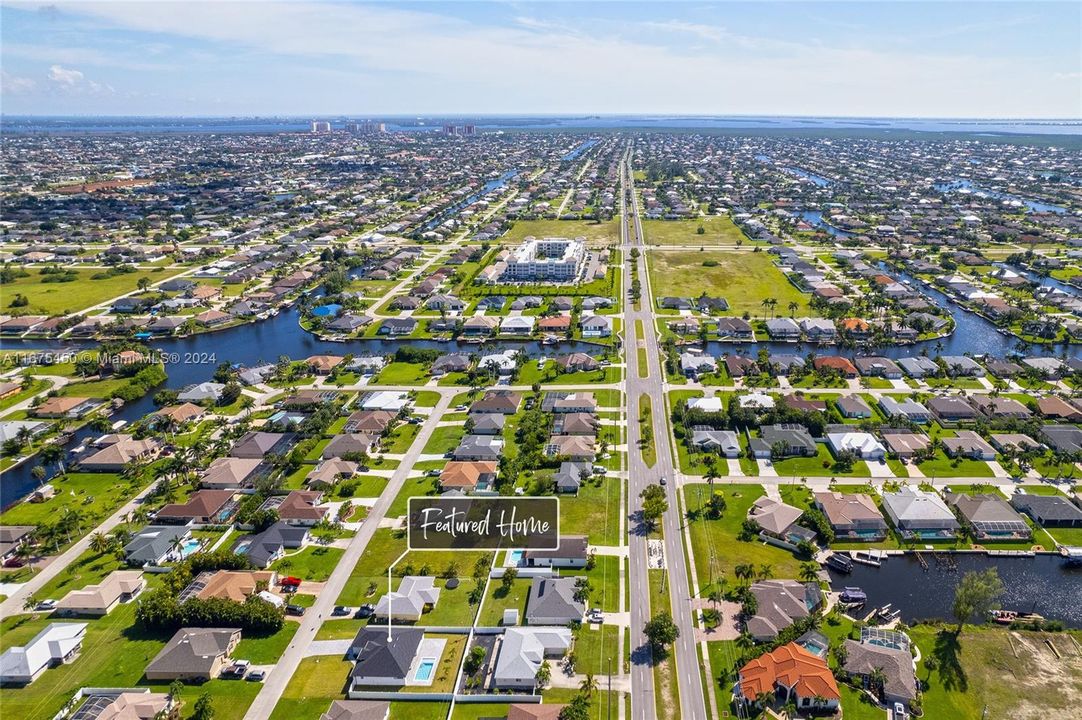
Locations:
(452, 210)
(115, 124)
(818, 180)
(1043, 584)
(967, 187)
(194, 359)
(815, 218)
(578, 151)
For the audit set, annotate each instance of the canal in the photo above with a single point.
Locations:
(967, 187)
(193, 359)
(1043, 584)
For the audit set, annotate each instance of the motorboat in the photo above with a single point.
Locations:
(853, 596)
(841, 563)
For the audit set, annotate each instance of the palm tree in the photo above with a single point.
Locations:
(99, 543)
(809, 571)
(30, 602)
(877, 679)
(589, 684)
(793, 305)
(744, 571)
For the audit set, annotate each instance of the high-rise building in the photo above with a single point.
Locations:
(366, 127)
(321, 126)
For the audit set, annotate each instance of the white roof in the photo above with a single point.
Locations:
(52, 643)
(757, 400)
(524, 649)
(710, 404)
(859, 442)
(386, 400)
(414, 592)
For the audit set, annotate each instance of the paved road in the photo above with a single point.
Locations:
(276, 681)
(14, 603)
(692, 706)
(642, 676)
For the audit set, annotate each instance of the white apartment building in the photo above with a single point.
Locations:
(552, 258)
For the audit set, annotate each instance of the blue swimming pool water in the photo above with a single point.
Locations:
(515, 556)
(190, 546)
(424, 670)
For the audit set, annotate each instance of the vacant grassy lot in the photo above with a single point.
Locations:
(715, 543)
(80, 294)
(601, 233)
(114, 654)
(594, 512)
(717, 230)
(312, 563)
(1012, 674)
(317, 681)
(743, 278)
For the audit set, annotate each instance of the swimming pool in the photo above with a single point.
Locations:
(190, 546)
(514, 557)
(424, 670)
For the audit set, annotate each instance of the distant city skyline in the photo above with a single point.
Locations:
(321, 59)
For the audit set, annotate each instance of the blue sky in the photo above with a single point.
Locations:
(906, 59)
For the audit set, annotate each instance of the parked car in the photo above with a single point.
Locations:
(899, 711)
(595, 616)
(46, 605)
(257, 675)
(294, 610)
(364, 611)
(236, 670)
(340, 611)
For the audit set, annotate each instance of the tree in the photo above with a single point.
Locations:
(175, 688)
(203, 710)
(654, 503)
(809, 571)
(99, 543)
(975, 595)
(544, 674)
(508, 579)
(661, 630)
(589, 684)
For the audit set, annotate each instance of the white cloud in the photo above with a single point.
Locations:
(395, 58)
(63, 76)
(15, 84)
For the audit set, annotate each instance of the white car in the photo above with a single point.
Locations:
(899, 711)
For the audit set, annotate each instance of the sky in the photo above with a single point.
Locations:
(312, 59)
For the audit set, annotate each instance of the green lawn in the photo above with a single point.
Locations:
(401, 373)
(498, 599)
(666, 689)
(822, 465)
(594, 512)
(266, 649)
(604, 579)
(89, 568)
(94, 496)
(717, 230)
(313, 563)
(316, 682)
(445, 438)
(595, 646)
(647, 445)
(401, 438)
(607, 231)
(383, 549)
(715, 543)
(745, 279)
(971, 672)
(82, 293)
(114, 654)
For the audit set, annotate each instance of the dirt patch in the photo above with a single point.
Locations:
(1041, 680)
